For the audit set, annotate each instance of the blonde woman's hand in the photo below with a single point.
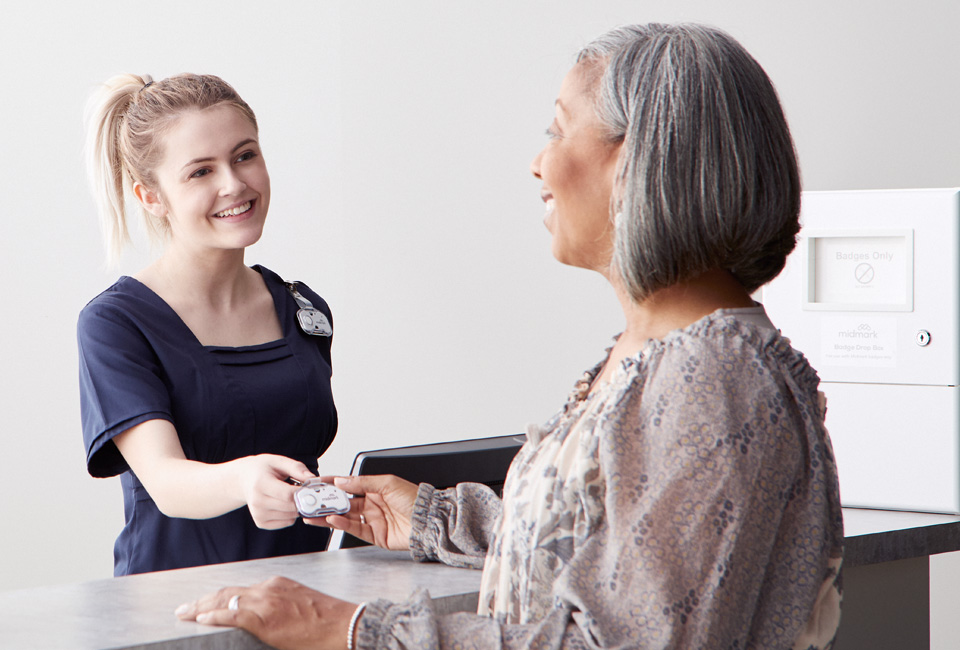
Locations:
(263, 483)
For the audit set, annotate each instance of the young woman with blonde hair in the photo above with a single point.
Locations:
(199, 384)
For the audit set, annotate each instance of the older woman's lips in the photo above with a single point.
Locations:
(549, 211)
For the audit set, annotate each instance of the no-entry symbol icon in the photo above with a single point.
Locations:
(864, 273)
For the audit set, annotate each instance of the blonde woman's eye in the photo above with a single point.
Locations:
(246, 155)
(200, 172)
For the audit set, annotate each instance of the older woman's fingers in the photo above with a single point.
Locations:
(245, 619)
(354, 526)
(354, 514)
(217, 600)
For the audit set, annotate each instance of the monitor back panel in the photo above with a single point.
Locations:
(442, 465)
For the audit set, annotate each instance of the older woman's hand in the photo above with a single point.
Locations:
(280, 612)
(380, 513)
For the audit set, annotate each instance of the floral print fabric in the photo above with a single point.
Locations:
(691, 502)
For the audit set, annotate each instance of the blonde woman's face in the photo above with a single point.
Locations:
(213, 186)
(577, 167)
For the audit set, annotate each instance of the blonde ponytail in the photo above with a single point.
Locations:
(125, 119)
(109, 179)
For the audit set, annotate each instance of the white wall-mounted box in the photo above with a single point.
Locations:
(871, 296)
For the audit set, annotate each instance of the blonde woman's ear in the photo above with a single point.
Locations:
(150, 200)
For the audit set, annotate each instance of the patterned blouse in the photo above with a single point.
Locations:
(690, 502)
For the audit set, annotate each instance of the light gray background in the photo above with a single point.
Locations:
(398, 136)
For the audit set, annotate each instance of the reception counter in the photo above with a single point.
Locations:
(137, 611)
(886, 601)
(886, 577)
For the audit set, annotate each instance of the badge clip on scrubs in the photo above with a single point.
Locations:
(312, 320)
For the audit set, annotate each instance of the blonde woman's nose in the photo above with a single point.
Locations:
(232, 184)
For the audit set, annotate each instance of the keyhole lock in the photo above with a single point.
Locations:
(923, 338)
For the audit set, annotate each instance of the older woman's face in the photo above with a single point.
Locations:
(577, 167)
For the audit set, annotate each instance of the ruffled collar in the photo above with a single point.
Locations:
(750, 323)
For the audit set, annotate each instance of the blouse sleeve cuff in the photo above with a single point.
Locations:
(371, 626)
(422, 548)
(430, 511)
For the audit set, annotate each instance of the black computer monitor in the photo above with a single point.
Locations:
(442, 465)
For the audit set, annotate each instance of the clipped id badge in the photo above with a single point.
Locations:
(312, 320)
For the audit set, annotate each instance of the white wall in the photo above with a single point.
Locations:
(398, 136)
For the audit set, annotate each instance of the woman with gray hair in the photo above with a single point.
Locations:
(686, 494)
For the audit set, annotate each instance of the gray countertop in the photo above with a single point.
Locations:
(137, 611)
(875, 536)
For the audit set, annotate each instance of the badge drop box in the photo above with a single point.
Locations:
(870, 296)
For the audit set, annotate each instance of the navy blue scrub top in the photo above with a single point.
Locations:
(139, 361)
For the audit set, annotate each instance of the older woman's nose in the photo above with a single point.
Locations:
(535, 164)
